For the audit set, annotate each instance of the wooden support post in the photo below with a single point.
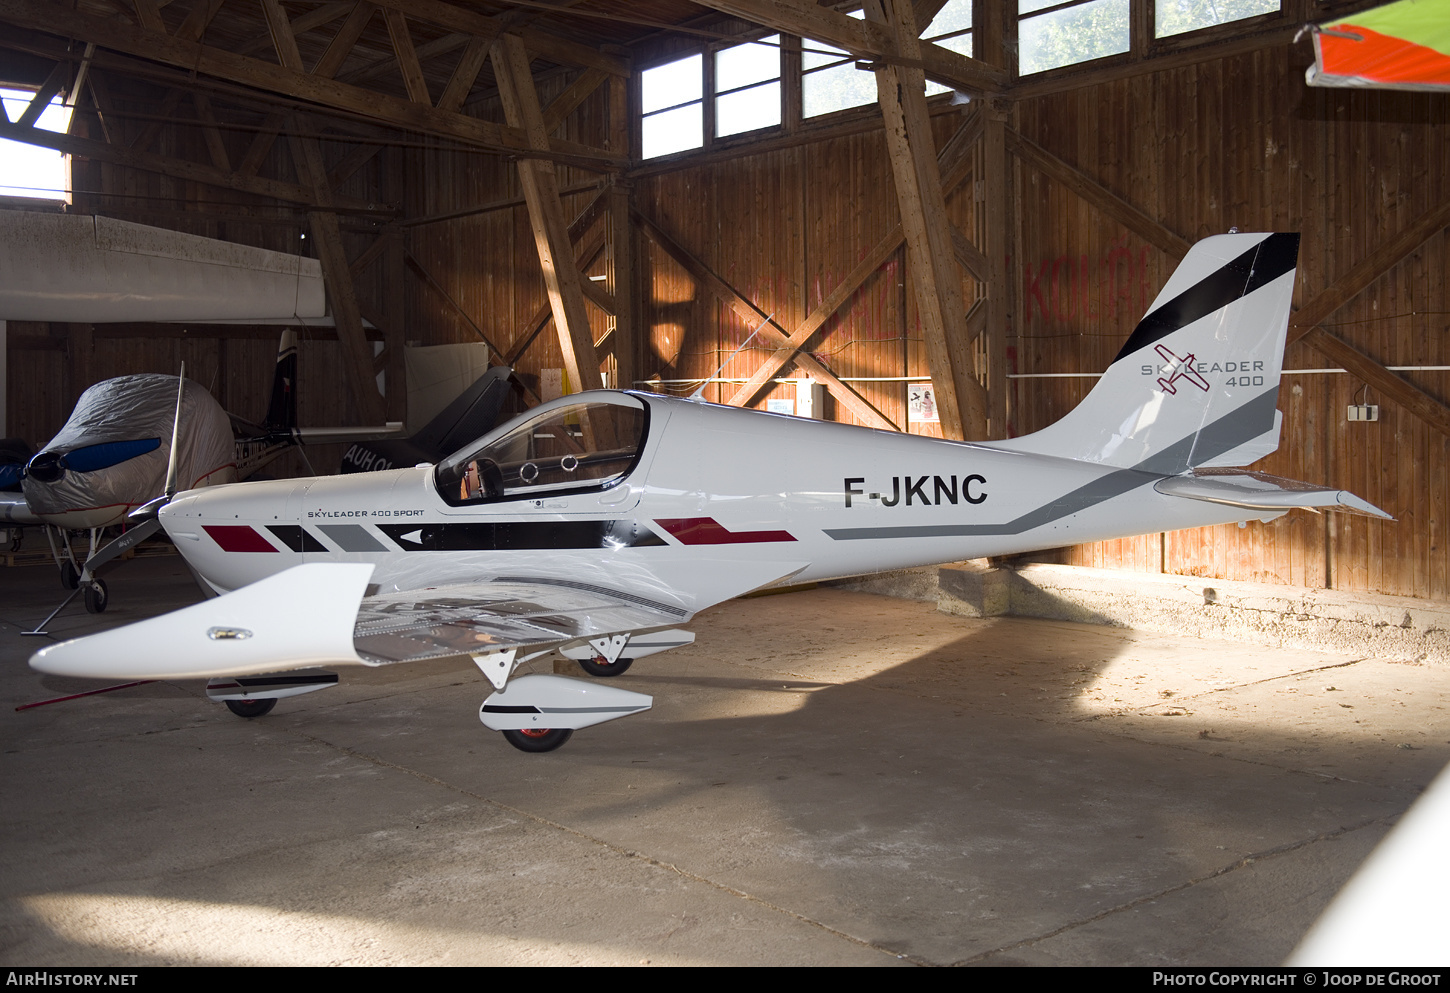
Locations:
(901, 92)
(356, 351)
(394, 285)
(628, 357)
(546, 214)
(999, 293)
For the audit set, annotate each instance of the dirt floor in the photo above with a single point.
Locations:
(826, 778)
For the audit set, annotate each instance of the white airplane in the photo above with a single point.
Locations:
(597, 525)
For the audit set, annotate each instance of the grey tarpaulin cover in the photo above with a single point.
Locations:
(131, 408)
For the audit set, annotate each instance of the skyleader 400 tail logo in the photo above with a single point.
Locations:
(1190, 369)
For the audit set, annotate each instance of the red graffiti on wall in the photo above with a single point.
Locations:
(1067, 289)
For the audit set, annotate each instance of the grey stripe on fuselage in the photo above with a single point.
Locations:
(1225, 434)
(352, 538)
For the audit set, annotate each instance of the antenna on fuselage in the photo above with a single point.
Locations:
(706, 381)
(172, 463)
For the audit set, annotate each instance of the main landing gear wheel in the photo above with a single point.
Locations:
(535, 739)
(97, 596)
(69, 578)
(253, 708)
(599, 666)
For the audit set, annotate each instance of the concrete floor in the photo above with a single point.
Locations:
(826, 778)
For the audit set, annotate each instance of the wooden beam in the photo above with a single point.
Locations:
(39, 15)
(53, 84)
(351, 163)
(341, 45)
(437, 287)
(901, 92)
(356, 352)
(1364, 273)
(824, 311)
(1099, 196)
(996, 321)
(551, 47)
(178, 168)
(148, 15)
(1401, 391)
(460, 84)
(261, 144)
(540, 185)
(215, 147)
(282, 38)
(805, 18)
(970, 256)
(148, 134)
(198, 19)
(769, 330)
(412, 70)
(585, 254)
(949, 159)
(577, 92)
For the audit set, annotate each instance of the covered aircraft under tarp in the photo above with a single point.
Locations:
(124, 426)
(1400, 46)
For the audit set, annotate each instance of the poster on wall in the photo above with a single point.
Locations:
(921, 404)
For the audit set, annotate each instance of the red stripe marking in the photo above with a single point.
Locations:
(237, 538)
(1381, 58)
(708, 531)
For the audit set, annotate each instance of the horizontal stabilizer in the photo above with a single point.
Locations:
(296, 619)
(1261, 491)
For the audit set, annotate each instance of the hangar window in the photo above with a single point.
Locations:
(951, 28)
(1051, 35)
(747, 87)
(830, 80)
(575, 446)
(31, 171)
(671, 99)
(1178, 16)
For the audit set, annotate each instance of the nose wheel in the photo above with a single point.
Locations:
(97, 596)
(535, 739)
(251, 708)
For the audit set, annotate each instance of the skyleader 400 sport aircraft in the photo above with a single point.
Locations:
(598, 524)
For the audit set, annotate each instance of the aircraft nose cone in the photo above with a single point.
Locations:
(46, 467)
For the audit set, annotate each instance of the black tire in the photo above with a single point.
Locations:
(251, 708)
(97, 596)
(538, 739)
(69, 578)
(597, 667)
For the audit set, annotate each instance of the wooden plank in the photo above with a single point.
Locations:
(769, 331)
(148, 15)
(412, 70)
(562, 278)
(1403, 392)
(1094, 193)
(37, 15)
(995, 322)
(351, 163)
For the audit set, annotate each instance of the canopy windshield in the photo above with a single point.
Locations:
(576, 447)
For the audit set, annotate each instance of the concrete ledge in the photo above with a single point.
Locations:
(1392, 627)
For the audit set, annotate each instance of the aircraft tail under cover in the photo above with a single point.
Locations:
(282, 407)
(1197, 383)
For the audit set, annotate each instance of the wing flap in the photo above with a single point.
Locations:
(1261, 491)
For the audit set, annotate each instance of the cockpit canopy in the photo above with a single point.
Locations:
(578, 446)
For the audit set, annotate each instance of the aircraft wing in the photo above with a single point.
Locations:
(1261, 491)
(527, 614)
(316, 615)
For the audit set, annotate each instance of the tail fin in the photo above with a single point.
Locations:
(282, 407)
(471, 415)
(1197, 383)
